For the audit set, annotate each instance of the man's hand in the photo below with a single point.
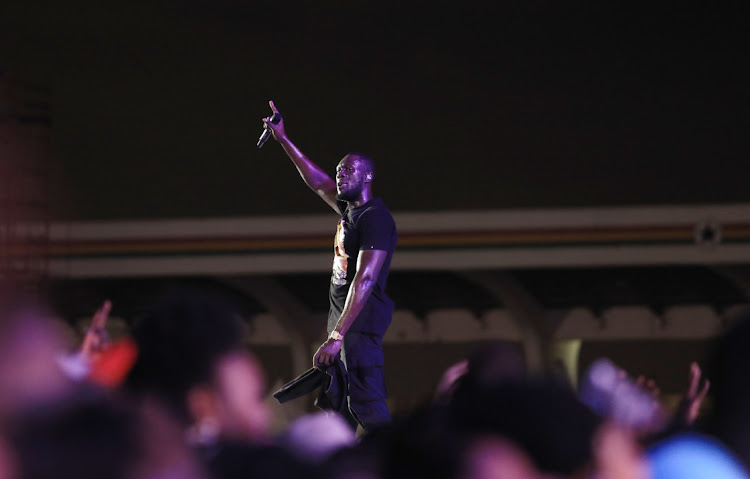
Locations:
(695, 393)
(327, 352)
(277, 130)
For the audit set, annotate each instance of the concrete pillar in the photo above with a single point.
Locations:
(567, 352)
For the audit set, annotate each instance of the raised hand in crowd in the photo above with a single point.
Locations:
(449, 379)
(96, 338)
(694, 395)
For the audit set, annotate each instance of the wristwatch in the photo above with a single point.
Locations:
(336, 336)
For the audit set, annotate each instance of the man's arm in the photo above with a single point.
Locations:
(314, 177)
(369, 263)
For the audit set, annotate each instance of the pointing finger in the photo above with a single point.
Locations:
(101, 315)
(694, 379)
(273, 107)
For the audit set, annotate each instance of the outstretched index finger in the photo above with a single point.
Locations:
(694, 379)
(101, 315)
(273, 107)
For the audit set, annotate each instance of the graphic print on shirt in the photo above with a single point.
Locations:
(340, 257)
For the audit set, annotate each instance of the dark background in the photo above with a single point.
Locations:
(153, 109)
(156, 106)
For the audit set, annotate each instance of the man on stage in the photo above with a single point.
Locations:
(360, 312)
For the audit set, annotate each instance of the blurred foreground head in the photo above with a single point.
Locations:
(494, 364)
(30, 345)
(429, 445)
(730, 388)
(92, 435)
(316, 436)
(540, 416)
(486, 366)
(193, 358)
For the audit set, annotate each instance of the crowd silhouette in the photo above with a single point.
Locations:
(183, 396)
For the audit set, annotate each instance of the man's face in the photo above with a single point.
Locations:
(351, 177)
(240, 384)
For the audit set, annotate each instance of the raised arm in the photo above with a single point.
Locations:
(314, 177)
(369, 263)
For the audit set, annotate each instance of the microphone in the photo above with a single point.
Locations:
(275, 119)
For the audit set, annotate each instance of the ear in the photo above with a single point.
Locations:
(369, 176)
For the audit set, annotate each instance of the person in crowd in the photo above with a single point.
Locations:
(729, 362)
(487, 365)
(541, 415)
(530, 426)
(95, 434)
(314, 437)
(634, 403)
(53, 425)
(78, 364)
(720, 448)
(192, 358)
(30, 345)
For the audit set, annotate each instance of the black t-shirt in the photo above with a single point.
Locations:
(369, 226)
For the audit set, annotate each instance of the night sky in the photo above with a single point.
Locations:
(156, 106)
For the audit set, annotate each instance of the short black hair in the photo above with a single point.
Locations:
(180, 341)
(540, 414)
(365, 159)
(87, 435)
